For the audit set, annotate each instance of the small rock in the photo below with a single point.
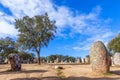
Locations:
(58, 67)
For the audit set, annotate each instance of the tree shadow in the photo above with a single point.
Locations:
(23, 71)
(86, 78)
(42, 78)
(69, 78)
(67, 64)
(117, 72)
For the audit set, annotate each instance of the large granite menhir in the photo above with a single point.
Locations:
(15, 61)
(99, 58)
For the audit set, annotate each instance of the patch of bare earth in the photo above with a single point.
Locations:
(29, 72)
(47, 72)
(84, 72)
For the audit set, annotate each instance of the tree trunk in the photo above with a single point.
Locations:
(39, 58)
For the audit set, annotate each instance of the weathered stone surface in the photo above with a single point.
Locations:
(99, 58)
(58, 67)
(83, 60)
(51, 62)
(57, 60)
(112, 64)
(87, 60)
(43, 61)
(15, 62)
(78, 60)
(116, 59)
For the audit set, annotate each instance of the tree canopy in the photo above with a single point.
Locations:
(7, 46)
(114, 44)
(35, 32)
(61, 58)
(26, 55)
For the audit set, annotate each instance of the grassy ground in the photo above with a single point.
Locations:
(47, 72)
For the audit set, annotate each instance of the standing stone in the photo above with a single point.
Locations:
(112, 63)
(109, 61)
(65, 61)
(35, 60)
(70, 61)
(116, 59)
(99, 58)
(15, 62)
(57, 60)
(61, 61)
(83, 60)
(87, 60)
(51, 61)
(78, 60)
(43, 61)
(47, 61)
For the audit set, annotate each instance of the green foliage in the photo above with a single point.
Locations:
(26, 55)
(7, 46)
(43, 58)
(52, 58)
(61, 58)
(114, 44)
(60, 74)
(35, 32)
(107, 74)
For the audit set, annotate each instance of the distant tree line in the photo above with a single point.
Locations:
(60, 58)
(8, 46)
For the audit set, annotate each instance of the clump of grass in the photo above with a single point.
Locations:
(107, 74)
(9, 70)
(59, 73)
(62, 77)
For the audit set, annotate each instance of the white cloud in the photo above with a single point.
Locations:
(77, 48)
(81, 23)
(90, 24)
(6, 25)
(86, 44)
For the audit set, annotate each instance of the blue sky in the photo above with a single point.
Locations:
(79, 22)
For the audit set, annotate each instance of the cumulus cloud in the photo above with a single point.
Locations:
(6, 25)
(90, 24)
(81, 23)
(86, 44)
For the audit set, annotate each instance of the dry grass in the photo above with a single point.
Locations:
(46, 72)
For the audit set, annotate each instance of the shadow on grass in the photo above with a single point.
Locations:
(69, 78)
(117, 72)
(34, 78)
(66, 64)
(86, 78)
(23, 71)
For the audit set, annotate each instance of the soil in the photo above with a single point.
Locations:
(47, 72)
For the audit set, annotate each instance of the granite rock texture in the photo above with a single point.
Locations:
(15, 61)
(99, 58)
(116, 59)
